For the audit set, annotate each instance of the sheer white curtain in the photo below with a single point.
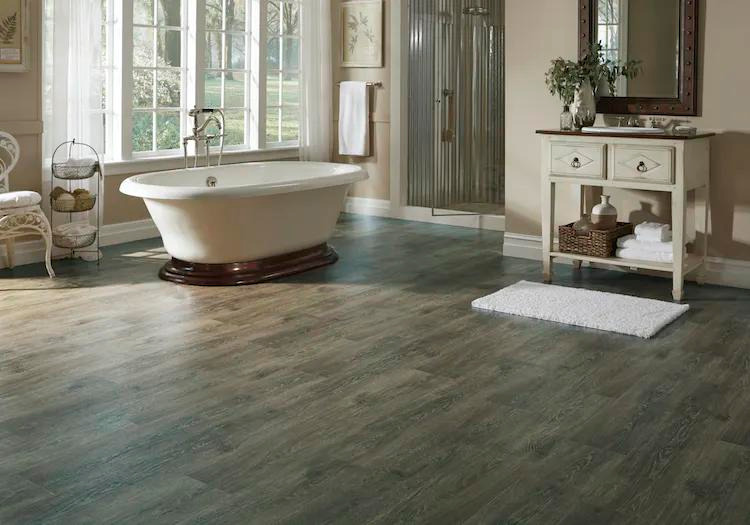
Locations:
(316, 81)
(73, 83)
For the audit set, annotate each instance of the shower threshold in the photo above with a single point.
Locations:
(482, 208)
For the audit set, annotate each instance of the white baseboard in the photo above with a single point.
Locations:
(382, 208)
(26, 252)
(365, 206)
(522, 246)
(32, 251)
(123, 232)
(719, 270)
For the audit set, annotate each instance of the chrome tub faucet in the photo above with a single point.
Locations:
(215, 116)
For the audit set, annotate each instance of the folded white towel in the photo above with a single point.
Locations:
(643, 255)
(74, 228)
(653, 231)
(631, 241)
(354, 119)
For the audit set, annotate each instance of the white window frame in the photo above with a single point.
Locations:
(280, 72)
(202, 69)
(120, 87)
(622, 40)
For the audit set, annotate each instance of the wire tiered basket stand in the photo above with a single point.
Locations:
(81, 237)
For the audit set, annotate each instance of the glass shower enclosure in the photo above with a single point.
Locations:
(456, 124)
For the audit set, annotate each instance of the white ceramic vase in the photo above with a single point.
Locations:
(604, 215)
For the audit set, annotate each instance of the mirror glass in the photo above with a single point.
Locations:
(644, 30)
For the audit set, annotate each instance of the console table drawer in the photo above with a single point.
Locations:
(578, 160)
(643, 164)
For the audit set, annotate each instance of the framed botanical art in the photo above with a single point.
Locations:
(14, 36)
(362, 33)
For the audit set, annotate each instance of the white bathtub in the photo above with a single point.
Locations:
(259, 221)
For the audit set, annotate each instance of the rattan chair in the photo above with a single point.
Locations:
(20, 213)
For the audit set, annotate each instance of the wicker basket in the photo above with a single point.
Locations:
(73, 170)
(74, 205)
(73, 241)
(595, 243)
(63, 205)
(84, 203)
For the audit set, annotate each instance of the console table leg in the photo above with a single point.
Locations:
(548, 224)
(701, 277)
(678, 243)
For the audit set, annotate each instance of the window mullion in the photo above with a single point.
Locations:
(247, 113)
(154, 76)
(258, 39)
(196, 42)
(123, 141)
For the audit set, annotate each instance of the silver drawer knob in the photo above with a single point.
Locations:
(575, 163)
(642, 167)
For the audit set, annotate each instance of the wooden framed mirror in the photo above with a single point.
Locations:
(663, 35)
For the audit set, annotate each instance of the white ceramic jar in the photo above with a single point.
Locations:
(604, 215)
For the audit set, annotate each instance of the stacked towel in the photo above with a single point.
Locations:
(644, 255)
(652, 242)
(653, 231)
(631, 241)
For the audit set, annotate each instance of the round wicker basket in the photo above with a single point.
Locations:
(74, 170)
(79, 203)
(73, 241)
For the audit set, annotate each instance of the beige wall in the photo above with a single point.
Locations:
(539, 30)
(377, 186)
(21, 114)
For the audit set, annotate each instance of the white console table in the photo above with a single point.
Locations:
(667, 163)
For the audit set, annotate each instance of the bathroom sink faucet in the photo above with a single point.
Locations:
(215, 116)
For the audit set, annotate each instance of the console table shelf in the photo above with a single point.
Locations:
(692, 262)
(672, 164)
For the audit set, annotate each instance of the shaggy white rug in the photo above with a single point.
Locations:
(600, 310)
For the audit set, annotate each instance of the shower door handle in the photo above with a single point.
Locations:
(449, 131)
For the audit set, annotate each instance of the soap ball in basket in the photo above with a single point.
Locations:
(604, 215)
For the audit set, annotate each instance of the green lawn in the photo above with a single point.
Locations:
(234, 96)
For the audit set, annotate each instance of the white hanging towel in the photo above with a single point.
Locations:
(354, 121)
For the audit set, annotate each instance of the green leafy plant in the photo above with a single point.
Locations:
(565, 77)
(8, 28)
(597, 68)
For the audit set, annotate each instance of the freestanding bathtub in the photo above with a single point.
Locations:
(245, 223)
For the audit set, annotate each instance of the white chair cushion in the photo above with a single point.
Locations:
(19, 199)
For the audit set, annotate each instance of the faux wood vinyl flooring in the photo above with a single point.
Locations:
(364, 392)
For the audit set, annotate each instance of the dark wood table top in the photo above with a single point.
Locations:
(664, 136)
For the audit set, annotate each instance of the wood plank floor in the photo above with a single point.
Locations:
(365, 392)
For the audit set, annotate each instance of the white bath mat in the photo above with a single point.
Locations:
(588, 308)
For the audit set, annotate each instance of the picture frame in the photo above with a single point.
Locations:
(15, 48)
(362, 33)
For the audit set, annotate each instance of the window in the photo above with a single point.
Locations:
(609, 28)
(225, 80)
(612, 34)
(159, 58)
(158, 103)
(282, 72)
(105, 76)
